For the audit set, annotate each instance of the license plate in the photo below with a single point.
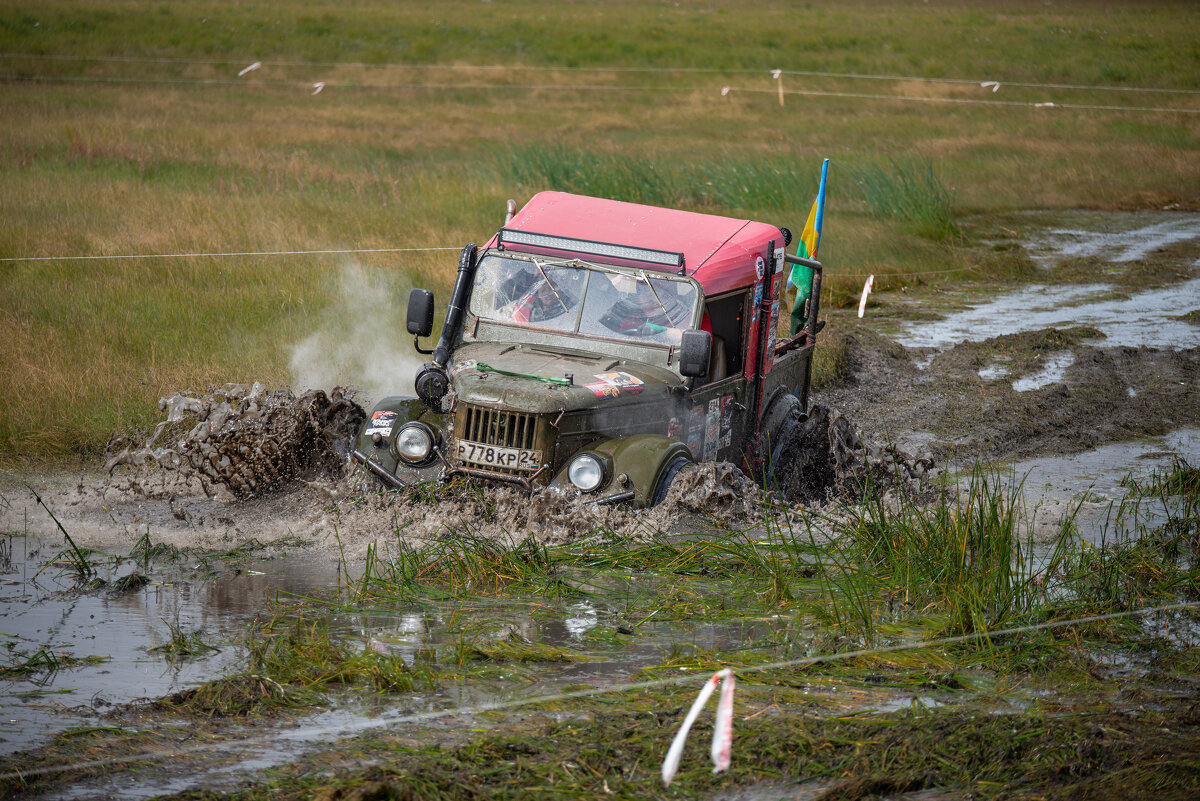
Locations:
(492, 456)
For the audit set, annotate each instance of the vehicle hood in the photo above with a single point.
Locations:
(598, 381)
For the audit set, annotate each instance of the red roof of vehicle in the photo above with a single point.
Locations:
(719, 252)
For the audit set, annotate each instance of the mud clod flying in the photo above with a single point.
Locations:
(246, 439)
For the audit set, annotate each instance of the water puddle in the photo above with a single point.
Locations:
(1140, 319)
(41, 609)
(1089, 484)
(1147, 319)
(1054, 370)
(1115, 236)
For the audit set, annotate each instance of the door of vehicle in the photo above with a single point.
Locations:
(764, 352)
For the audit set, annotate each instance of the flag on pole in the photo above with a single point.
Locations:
(810, 240)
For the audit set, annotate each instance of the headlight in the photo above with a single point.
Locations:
(586, 472)
(414, 443)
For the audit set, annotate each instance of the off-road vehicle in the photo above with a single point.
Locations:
(600, 347)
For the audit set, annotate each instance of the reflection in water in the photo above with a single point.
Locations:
(40, 607)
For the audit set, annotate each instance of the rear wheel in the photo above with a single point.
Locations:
(668, 477)
(779, 428)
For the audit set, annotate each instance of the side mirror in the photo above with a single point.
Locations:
(694, 351)
(420, 312)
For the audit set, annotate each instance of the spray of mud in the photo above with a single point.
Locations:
(708, 495)
(359, 339)
(240, 462)
(826, 456)
(244, 439)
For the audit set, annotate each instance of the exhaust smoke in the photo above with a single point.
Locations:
(359, 339)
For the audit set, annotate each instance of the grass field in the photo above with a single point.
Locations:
(128, 131)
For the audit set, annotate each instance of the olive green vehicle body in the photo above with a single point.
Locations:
(541, 398)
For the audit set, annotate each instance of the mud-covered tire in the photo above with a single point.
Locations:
(668, 477)
(780, 424)
(802, 467)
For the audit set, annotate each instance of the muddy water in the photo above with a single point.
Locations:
(1145, 319)
(1114, 236)
(1089, 485)
(41, 606)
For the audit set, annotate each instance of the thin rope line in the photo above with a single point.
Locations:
(205, 255)
(615, 68)
(571, 87)
(418, 717)
(835, 274)
(258, 83)
(1022, 103)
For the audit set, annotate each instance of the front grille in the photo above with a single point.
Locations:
(497, 428)
(491, 427)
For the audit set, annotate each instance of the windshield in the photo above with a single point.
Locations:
(589, 299)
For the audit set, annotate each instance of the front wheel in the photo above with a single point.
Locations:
(668, 477)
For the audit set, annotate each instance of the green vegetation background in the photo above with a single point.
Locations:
(127, 130)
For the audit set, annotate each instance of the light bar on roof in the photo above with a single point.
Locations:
(666, 258)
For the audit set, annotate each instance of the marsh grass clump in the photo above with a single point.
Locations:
(306, 652)
(959, 560)
(291, 662)
(519, 651)
(182, 645)
(239, 695)
(911, 191)
(459, 565)
(43, 663)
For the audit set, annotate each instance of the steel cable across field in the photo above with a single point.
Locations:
(418, 717)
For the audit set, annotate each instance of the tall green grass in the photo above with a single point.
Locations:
(908, 190)
(727, 183)
(962, 557)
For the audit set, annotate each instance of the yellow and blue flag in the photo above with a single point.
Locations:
(810, 238)
(801, 277)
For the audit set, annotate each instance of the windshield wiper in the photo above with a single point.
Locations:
(550, 284)
(667, 314)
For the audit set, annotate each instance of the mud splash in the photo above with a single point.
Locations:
(245, 439)
(826, 456)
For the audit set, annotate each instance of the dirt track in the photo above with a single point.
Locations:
(1108, 395)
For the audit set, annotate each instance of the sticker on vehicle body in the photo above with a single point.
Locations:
(464, 365)
(712, 429)
(381, 423)
(772, 330)
(726, 421)
(611, 385)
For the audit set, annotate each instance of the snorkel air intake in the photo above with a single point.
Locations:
(432, 382)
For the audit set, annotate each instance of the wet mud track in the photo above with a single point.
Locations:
(1106, 395)
(1103, 348)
